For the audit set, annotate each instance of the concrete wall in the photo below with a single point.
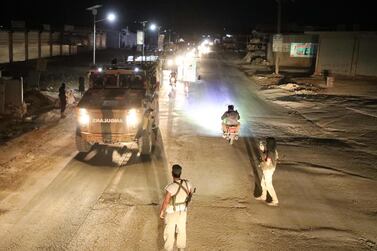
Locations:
(347, 53)
(65, 49)
(367, 57)
(21, 45)
(112, 39)
(336, 55)
(14, 92)
(2, 97)
(100, 40)
(4, 47)
(45, 44)
(287, 60)
(18, 46)
(11, 95)
(33, 45)
(55, 44)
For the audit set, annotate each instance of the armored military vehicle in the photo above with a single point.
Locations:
(120, 107)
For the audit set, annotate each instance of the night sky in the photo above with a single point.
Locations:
(194, 15)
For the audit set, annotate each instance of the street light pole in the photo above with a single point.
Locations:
(144, 36)
(111, 17)
(94, 10)
(94, 38)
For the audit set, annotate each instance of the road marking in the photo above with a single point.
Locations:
(361, 112)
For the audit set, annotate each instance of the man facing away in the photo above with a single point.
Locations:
(230, 118)
(63, 100)
(174, 210)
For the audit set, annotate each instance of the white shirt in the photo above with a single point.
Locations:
(172, 189)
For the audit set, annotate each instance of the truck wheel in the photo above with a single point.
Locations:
(145, 143)
(81, 145)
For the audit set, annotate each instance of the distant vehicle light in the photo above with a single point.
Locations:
(136, 69)
(179, 60)
(99, 69)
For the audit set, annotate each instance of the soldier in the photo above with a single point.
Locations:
(174, 210)
(268, 165)
(81, 85)
(63, 100)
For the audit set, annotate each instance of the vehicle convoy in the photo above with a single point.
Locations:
(120, 107)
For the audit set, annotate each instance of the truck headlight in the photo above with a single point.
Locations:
(132, 118)
(83, 117)
(179, 60)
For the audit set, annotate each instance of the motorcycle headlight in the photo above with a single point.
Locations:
(170, 62)
(132, 118)
(83, 117)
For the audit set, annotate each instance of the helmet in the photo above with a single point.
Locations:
(230, 107)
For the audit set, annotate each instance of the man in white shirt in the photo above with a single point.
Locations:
(174, 210)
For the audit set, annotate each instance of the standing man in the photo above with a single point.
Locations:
(81, 85)
(63, 100)
(268, 165)
(174, 210)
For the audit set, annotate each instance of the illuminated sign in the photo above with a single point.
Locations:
(303, 50)
(108, 121)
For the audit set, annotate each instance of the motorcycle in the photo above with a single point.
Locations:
(231, 134)
(173, 80)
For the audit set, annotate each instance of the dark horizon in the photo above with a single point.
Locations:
(194, 16)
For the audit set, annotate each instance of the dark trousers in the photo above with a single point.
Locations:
(63, 104)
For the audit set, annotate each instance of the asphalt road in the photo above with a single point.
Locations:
(94, 203)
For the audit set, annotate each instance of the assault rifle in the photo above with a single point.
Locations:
(189, 197)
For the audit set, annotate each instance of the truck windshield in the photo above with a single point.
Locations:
(104, 80)
(128, 81)
(131, 81)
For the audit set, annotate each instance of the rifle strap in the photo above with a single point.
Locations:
(180, 186)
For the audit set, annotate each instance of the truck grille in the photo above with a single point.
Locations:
(108, 122)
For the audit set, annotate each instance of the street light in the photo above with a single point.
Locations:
(153, 27)
(110, 17)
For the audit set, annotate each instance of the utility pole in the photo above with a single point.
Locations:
(144, 36)
(94, 36)
(94, 10)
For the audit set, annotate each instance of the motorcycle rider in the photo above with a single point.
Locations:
(172, 75)
(230, 118)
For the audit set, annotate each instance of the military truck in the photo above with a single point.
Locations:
(120, 107)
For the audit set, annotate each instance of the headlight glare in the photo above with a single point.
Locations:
(83, 117)
(132, 118)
